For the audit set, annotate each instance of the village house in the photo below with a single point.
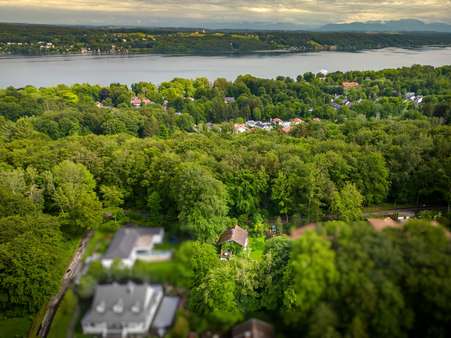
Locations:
(276, 121)
(253, 328)
(296, 121)
(347, 85)
(137, 102)
(404, 216)
(145, 101)
(239, 128)
(130, 244)
(235, 236)
(129, 310)
(286, 129)
(229, 99)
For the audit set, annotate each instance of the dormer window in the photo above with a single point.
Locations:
(119, 306)
(100, 308)
(136, 308)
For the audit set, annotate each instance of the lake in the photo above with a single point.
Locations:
(52, 70)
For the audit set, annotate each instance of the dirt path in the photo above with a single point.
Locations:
(72, 270)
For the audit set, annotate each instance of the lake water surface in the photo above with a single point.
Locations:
(52, 70)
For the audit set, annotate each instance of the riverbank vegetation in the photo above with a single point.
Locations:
(25, 39)
(80, 157)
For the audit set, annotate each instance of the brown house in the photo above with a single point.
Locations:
(253, 328)
(380, 224)
(235, 234)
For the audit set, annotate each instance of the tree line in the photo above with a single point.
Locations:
(26, 39)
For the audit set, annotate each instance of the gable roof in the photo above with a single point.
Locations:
(236, 234)
(129, 303)
(253, 328)
(380, 224)
(126, 238)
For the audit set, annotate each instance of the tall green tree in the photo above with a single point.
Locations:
(75, 197)
(347, 203)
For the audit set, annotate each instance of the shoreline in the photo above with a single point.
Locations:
(218, 54)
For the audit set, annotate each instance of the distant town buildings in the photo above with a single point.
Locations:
(412, 97)
(347, 85)
(229, 99)
(138, 102)
(285, 126)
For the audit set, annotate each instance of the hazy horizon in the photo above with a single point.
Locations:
(220, 13)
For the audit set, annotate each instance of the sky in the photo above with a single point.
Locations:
(209, 13)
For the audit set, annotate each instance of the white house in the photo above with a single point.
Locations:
(128, 310)
(130, 244)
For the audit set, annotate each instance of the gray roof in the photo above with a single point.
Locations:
(130, 296)
(166, 313)
(125, 239)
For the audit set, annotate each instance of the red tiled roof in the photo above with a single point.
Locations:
(350, 85)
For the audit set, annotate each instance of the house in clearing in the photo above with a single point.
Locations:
(253, 328)
(129, 310)
(130, 244)
(233, 238)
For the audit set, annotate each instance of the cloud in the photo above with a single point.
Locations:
(187, 12)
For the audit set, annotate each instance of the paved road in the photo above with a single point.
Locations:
(389, 212)
(72, 270)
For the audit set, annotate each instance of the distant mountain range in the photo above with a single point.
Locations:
(408, 25)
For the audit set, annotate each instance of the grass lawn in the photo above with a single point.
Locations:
(256, 247)
(64, 316)
(98, 243)
(15, 327)
(157, 272)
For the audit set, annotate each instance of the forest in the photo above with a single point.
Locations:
(82, 157)
(26, 39)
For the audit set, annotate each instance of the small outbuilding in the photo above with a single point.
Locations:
(236, 234)
(233, 241)
(253, 328)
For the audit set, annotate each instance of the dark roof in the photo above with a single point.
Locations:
(125, 240)
(115, 303)
(253, 328)
(166, 313)
(236, 234)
